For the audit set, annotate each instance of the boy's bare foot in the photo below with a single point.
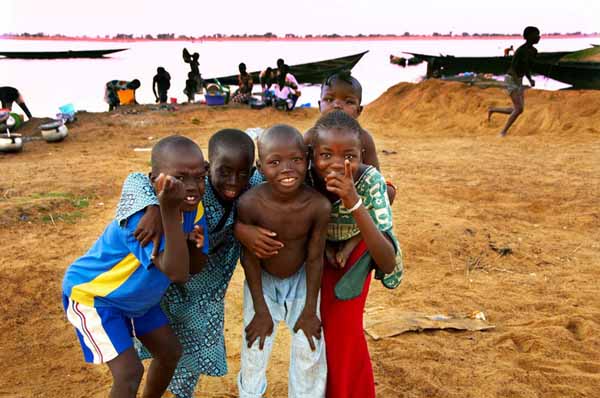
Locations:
(502, 134)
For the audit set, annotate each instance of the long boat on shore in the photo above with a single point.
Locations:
(571, 67)
(580, 75)
(59, 54)
(449, 65)
(309, 73)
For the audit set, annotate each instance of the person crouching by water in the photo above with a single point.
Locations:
(245, 83)
(519, 67)
(286, 89)
(267, 78)
(8, 95)
(162, 83)
(112, 88)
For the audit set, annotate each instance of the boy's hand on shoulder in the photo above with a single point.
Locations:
(259, 241)
(310, 324)
(150, 229)
(171, 192)
(343, 186)
(260, 327)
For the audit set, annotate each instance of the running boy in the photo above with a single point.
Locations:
(198, 316)
(284, 287)
(112, 292)
(520, 66)
(360, 210)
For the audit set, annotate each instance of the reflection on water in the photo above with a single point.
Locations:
(47, 84)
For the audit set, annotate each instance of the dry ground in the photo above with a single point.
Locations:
(461, 192)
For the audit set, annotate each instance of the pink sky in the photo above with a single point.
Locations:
(193, 17)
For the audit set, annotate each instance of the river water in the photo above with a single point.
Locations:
(48, 84)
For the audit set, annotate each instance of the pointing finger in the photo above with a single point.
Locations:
(347, 169)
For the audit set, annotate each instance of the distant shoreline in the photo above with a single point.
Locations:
(292, 39)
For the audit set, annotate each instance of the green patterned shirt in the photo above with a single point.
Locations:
(372, 189)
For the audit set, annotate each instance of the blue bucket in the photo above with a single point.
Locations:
(67, 109)
(212, 100)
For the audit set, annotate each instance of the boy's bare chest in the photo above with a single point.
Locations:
(289, 221)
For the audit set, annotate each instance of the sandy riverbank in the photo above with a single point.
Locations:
(461, 190)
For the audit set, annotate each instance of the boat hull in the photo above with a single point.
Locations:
(309, 73)
(580, 75)
(448, 65)
(59, 54)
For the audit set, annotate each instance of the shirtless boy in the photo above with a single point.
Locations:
(284, 287)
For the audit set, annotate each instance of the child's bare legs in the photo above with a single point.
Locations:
(127, 371)
(166, 351)
(518, 100)
(492, 110)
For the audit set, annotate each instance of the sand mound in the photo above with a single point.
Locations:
(450, 108)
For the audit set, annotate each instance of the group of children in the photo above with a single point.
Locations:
(308, 225)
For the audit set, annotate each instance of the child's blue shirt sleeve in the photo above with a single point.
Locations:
(204, 226)
(143, 254)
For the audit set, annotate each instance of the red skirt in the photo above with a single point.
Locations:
(349, 370)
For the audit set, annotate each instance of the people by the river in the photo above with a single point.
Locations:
(267, 77)
(111, 92)
(286, 88)
(8, 95)
(192, 59)
(520, 67)
(244, 92)
(161, 83)
(191, 87)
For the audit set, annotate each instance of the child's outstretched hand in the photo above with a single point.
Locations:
(343, 186)
(170, 191)
(259, 328)
(310, 324)
(197, 235)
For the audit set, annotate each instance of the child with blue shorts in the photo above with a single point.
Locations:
(197, 317)
(112, 293)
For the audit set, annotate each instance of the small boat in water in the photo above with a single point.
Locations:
(309, 73)
(59, 54)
